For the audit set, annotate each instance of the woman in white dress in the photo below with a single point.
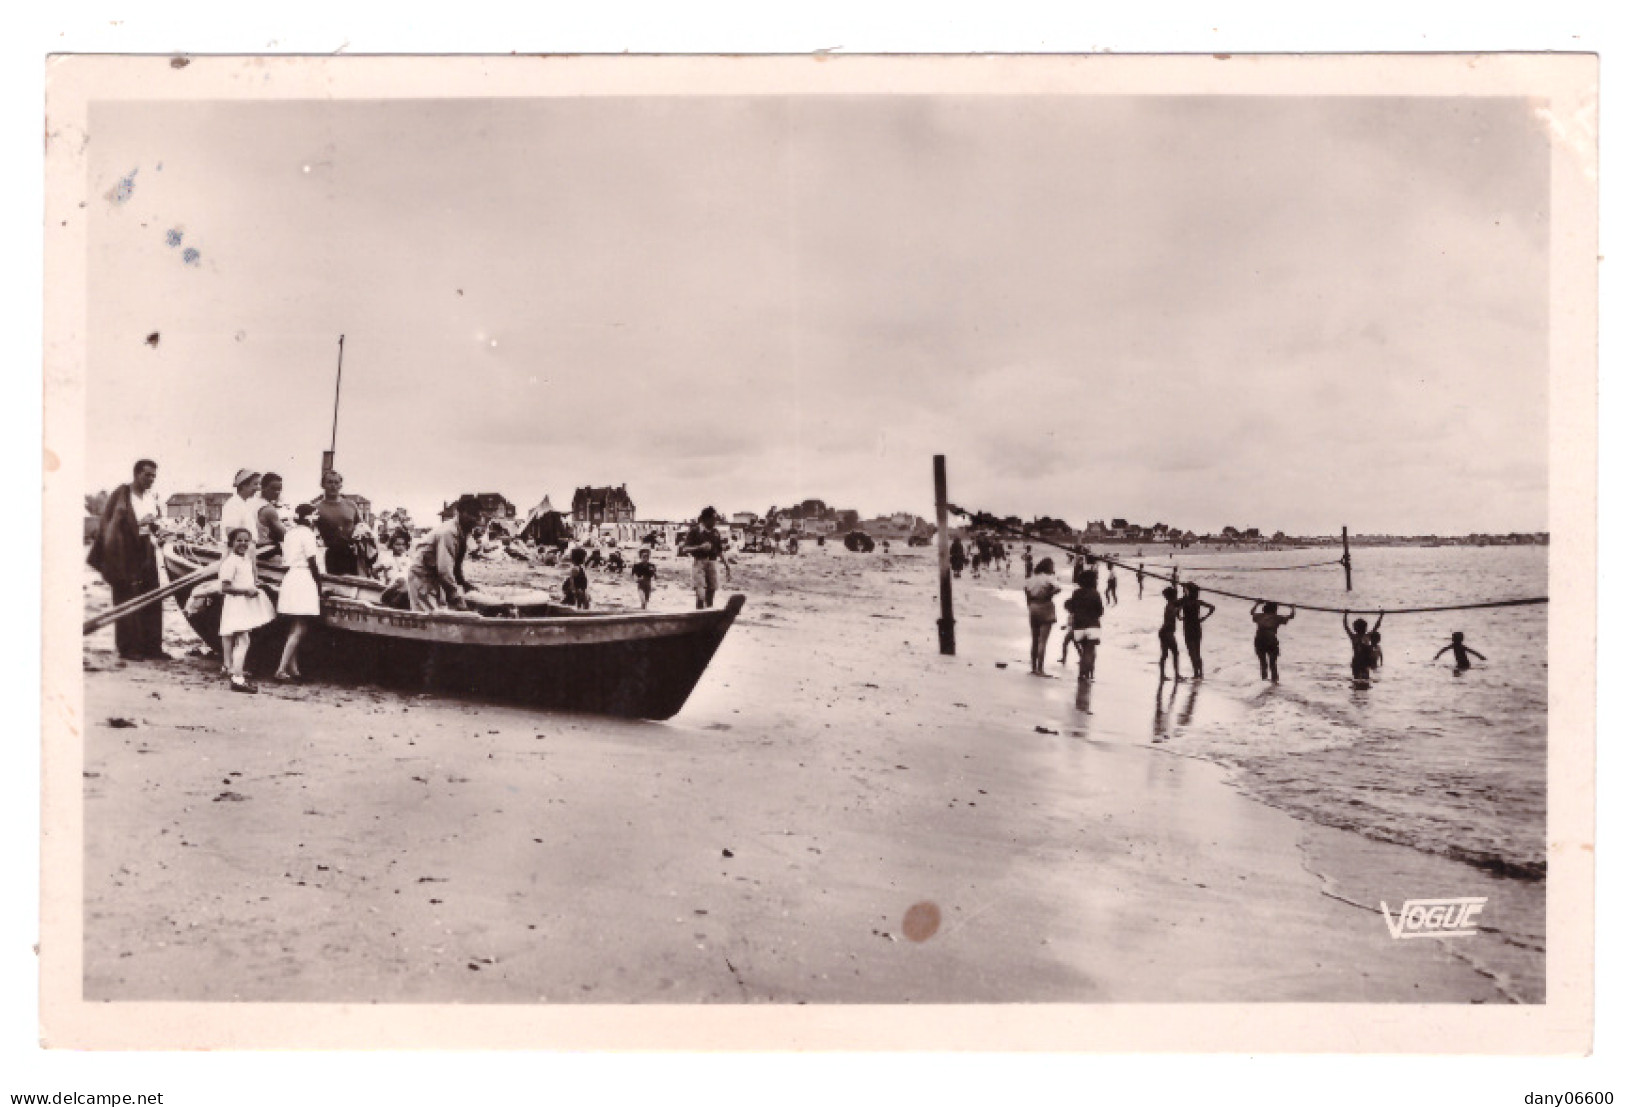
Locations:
(243, 607)
(300, 600)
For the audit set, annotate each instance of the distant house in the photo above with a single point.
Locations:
(189, 505)
(1096, 529)
(1119, 525)
(744, 518)
(1159, 532)
(602, 505)
(494, 505)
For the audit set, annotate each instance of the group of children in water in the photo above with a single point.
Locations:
(1188, 611)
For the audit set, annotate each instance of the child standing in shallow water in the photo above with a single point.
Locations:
(1265, 642)
(1360, 639)
(243, 606)
(1458, 645)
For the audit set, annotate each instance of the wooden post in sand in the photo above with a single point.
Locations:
(1348, 566)
(945, 625)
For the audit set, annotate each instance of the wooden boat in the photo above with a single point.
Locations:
(634, 664)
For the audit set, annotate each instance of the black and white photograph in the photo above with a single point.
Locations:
(728, 536)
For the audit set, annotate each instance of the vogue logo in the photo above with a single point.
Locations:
(1435, 918)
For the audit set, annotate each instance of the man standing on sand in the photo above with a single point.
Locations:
(336, 520)
(704, 545)
(124, 555)
(436, 578)
(268, 520)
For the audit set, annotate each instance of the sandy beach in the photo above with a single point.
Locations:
(840, 814)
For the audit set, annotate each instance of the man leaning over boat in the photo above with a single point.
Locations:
(436, 579)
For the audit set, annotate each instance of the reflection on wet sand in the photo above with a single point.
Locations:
(1159, 719)
(1085, 687)
(1190, 703)
(1164, 716)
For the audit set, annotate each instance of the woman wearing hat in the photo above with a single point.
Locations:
(242, 509)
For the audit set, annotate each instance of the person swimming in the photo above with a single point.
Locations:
(1458, 645)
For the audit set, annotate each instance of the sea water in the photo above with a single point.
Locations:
(1440, 761)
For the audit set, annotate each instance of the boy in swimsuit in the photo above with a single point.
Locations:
(643, 571)
(1265, 643)
(1165, 636)
(1461, 649)
(1360, 639)
(575, 584)
(1139, 578)
(1376, 649)
(1111, 584)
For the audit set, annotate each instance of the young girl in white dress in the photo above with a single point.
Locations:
(300, 600)
(244, 606)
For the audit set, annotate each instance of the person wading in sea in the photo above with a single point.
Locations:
(1458, 646)
(1191, 611)
(1360, 639)
(1266, 644)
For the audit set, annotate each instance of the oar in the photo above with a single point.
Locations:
(114, 614)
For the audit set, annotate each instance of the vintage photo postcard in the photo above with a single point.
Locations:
(1023, 553)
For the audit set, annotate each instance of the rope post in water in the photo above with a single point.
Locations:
(945, 625)
(1348, 566)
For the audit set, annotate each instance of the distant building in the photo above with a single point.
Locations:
(602, 505)
(494, 505)
(744, 518)
(188, 505)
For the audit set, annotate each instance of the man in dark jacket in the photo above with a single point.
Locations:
(124, 554)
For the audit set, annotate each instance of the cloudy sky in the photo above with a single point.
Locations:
(1274, 312)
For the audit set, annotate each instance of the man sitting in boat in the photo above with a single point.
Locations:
(436, 577)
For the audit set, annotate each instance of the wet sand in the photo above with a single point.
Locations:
(840, 814)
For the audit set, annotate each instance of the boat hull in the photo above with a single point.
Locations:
(633, 664)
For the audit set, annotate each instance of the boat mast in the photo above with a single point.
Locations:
(327, 455)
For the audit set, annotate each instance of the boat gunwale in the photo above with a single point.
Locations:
(701, 620)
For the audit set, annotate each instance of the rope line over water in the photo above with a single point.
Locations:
(984, 520)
